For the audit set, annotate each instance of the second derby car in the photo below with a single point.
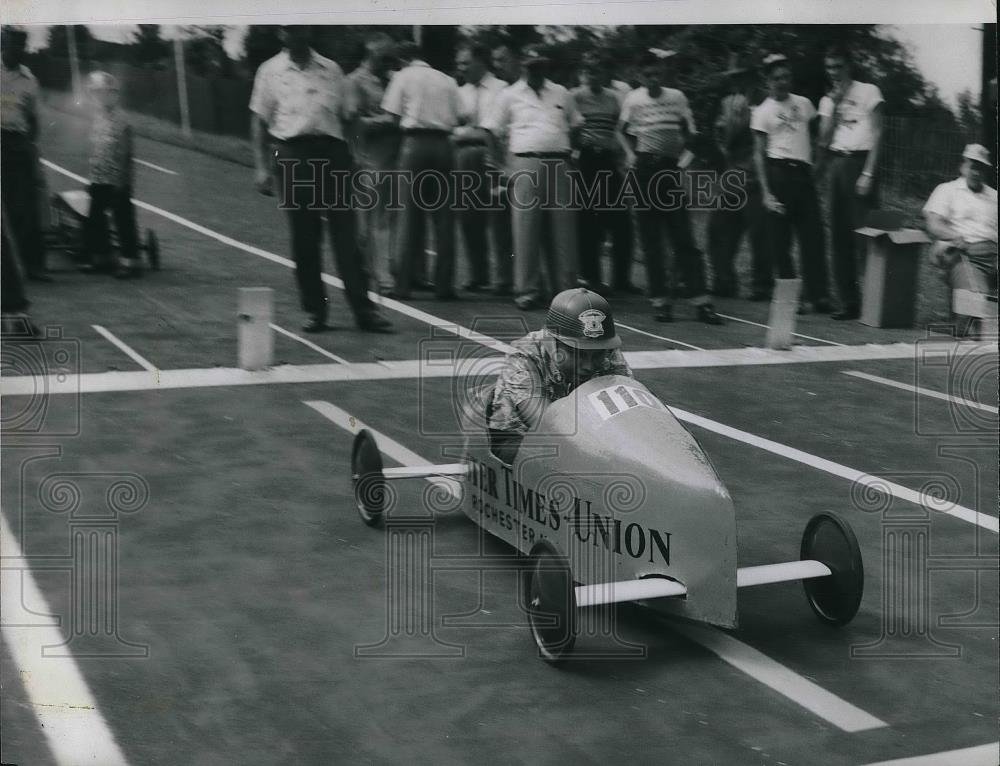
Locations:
(613, 500)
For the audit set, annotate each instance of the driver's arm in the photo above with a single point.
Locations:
(520, 397)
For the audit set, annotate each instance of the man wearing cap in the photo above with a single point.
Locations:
(726, 225)
(578, 342)
(601, 179)
(375, 144)
(851, 130)
(538, 116)
(962, 216)
(653, 128)
(471, 140)
(782, 126)
(300, 101)
(20, 171)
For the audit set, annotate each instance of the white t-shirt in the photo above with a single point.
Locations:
(534, 122)
(973, 215)
(786, 124)
(657, 123)
(854, 117)
(423, 97)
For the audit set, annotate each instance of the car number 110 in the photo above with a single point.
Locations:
(615, 400)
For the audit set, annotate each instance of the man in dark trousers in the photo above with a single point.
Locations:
(782, 126)
(301, 101)
(851, 131)
(19, 166)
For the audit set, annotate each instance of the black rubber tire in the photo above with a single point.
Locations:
(550, 602)
(834, 599)
(369, 482)
(153, 250)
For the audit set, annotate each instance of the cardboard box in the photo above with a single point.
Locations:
(892, 263)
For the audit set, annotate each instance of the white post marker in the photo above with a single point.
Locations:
(182, 89)
(256, 342)
(784, 307)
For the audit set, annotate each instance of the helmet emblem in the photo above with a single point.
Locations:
(592, 321)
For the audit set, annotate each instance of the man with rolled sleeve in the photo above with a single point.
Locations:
(20, 171)
(300, 101)
(851, 130)
(478, 94)
(537, 116)
(426, 105)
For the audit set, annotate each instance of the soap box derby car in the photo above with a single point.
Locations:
(670, 544)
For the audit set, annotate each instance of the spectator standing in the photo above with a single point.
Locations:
(507, 63)
(851, 130)
(537, 116)
(653, 129)
(782, 126)
(111, 177)
(301, 101)
(14, 322)
(375, 147)
(726, 226)
(19, 171)
(426, 105)
(600, 160)
(479, 93)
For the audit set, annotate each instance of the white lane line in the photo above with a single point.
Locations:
(126, 349)
(309, 344)
(983, 755)
(386, 444)
(796, 334)
(739, 655)
(158, 167)
(67, 713)
(787, 683)
(929, 502)
(99, 382)
(922, 391)
(659, 337)
(394, 305)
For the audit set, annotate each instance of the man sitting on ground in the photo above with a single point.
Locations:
(962, 216)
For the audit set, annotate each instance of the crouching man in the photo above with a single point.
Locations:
(577, 343)
(962, 216)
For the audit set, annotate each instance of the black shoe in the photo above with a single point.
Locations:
(39, 276)
(128, 272)
(476, 287)
(805, 307)
(421, 284)
(822, 306)
(452, 296)
(315, 325)
(706, 313)
(376, 323)
(846, 313)
(503, 290)
(527, 304)
(760, 295)
(664, 314)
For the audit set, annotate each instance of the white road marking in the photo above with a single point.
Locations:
(929, 502)
(796, 334)
(787, 683)
(983, 755)
(658, 337)
(67, 713)
(309, 344)
(158, 167)
(394, 305)
(739, 655)
(126, 349)
(922, 391)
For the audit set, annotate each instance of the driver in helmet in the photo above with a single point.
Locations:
(578, 343)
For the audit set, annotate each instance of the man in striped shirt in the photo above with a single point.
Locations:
(600, 177)
(653, 128)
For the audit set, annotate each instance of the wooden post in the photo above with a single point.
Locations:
(255, 339)
(182, 91)
(784, 308)
(74, 65)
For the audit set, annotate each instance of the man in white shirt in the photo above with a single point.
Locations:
(851, 130)
(653, 129)
(428, 107)
(962, 216)
(538, 116)
(479, 93)
(782, 127)
(300, 102)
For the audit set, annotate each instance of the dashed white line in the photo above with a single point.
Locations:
(796, 334)
(659, 337)
(126, 349)
(982, 755)
(67, 713)
(922, 391)
(309, 344)
(745, 658)
(158, 167)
